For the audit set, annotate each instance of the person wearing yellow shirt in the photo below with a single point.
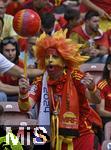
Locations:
(7, 29)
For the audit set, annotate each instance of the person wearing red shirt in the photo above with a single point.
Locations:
(40, 6)
(72, 18)
(60, 94)
(9, 83)
(104, 108)
(9, 48)
(13, 7)
(94, 40)
(49, 25)
(103, 8)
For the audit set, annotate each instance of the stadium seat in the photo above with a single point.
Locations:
(95, 69)
(107, 130)
(106, 145)
(11, 115)
(21, 122)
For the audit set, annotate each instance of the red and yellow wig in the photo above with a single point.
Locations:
(67, 49)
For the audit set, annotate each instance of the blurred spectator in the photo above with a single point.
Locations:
(104, 85)
(73, 4)
(10, 68)
(59, 15)
(7, 67)
(59, 11)
(73, 19)
(31, 61)
(8, 22)
(49, 24)
(9, 84)
(67, 12)
(40, 6)
(95, 41)
(103, 8)
(9, 48)
(13, 7)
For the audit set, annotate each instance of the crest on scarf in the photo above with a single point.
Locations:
(70, 119)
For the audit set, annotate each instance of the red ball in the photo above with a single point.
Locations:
(26, 23)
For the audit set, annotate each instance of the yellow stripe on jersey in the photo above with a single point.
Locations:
(77, 75)
(102, 84)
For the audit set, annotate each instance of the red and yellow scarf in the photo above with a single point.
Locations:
(65, 110)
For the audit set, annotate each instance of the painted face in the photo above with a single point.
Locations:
(54, 62)
(9, 51)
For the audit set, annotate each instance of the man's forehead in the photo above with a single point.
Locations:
(51, 51)
(95, 18)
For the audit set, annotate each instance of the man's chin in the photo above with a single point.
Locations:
(96, 29)
(12, 60)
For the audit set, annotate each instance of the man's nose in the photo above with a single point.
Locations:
(10, 52)
(50, 58)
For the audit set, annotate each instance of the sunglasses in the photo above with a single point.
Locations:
(6, 41)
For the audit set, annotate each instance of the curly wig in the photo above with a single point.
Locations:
(67, 49)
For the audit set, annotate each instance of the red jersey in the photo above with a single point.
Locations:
(109, 36)
(86, 116)
(100, 39)
(63, 22)
(13, 7)
(105, 89)
(11, 80)
(104, 4)
(41, 8)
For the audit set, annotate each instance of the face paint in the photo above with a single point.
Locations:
(54, 62)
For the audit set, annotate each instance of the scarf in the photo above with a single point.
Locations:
(65, 112)
(44, 111)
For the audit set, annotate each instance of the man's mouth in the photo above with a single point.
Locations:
(50, 67)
